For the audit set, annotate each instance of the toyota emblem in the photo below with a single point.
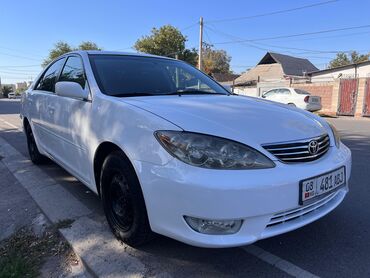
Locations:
(313, 147)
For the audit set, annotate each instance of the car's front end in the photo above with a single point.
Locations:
(217, 169)
(212, 206)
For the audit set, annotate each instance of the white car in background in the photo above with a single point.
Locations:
(294, 97)
(169, 150)
(11, 95)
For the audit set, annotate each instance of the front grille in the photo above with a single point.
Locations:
(290, 215)
(299, 151)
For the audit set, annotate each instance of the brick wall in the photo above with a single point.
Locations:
(323, 90)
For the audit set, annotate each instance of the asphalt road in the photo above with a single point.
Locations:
(337, 245)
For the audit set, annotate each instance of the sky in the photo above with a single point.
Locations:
(246, 29)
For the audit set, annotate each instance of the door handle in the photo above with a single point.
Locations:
(51, 109)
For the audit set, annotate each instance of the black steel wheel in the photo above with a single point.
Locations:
(35, 156)
(123, 201)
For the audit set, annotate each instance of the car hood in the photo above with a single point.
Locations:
(244, 119)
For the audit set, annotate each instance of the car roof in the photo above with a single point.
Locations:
(104, 52)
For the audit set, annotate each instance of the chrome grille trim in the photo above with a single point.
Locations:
(289, 215)
(298, 151)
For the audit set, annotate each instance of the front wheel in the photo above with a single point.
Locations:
(123, 201)
(35, 156)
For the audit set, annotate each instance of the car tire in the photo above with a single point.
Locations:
(35, 156)
(292, 105)
(123, 201)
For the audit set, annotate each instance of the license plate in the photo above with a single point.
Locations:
(314, 100)
(319, 186)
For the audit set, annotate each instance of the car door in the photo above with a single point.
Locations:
(71, 122)
(41, 116)
(284, 96)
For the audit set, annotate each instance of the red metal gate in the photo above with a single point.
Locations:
(347, 97)
(366, 107)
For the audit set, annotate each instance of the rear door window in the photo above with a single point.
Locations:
(47, 82)
(301, 92)
(284, 92)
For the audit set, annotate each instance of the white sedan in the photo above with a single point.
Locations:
(11, 95)
(294, 97)
(170, 151)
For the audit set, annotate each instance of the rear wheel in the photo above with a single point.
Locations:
(35, 156)
(123, 201)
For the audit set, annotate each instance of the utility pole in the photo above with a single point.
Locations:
(200, 43)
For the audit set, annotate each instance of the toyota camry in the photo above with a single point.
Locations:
(170, 151)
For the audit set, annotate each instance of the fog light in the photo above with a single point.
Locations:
(213, 227)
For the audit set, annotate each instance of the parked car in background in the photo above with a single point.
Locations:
(169, 150)
(11, 95)
(294, 97)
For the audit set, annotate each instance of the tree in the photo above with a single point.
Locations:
(61, 48)
(87, 45)
(166, 41)
(215, 61)
(343, 59)
(6, 90)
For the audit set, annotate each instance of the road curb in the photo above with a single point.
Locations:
(89, 236)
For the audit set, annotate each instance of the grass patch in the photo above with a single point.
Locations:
(23, 254)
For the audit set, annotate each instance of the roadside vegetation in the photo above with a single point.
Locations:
(24, 253)
(6, 90)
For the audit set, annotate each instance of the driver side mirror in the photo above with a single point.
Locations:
(70, 89)
(263, 96)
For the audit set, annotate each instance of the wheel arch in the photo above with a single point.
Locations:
(102, 151)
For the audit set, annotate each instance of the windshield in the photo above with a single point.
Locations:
(301, 92)
(120, 75)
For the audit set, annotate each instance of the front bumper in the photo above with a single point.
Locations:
(258, 197)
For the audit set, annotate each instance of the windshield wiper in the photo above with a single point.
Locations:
(193, 92)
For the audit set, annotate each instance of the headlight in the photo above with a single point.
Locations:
(335, 135)
(211, 152)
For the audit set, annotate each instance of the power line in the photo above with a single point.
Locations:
(313, 51)
(329, 37)
(208, 37)
(188, 27)
(17, 56)
(17, 73)
(19, 70)
(15, 76)
(20, 51)
(297, 35)
(20, 66)
(272, 13)
(235, 38)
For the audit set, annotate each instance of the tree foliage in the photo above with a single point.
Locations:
(215, 61)
(6, 90)
(62, 47)
(167, 41)
(87, 45)
(343, 59)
